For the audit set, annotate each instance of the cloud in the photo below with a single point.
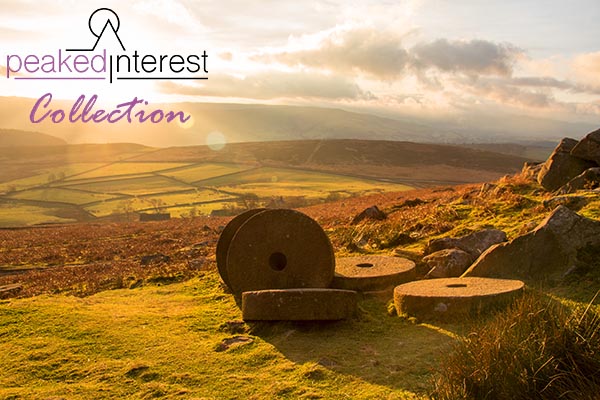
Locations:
(367, 51)
(226, 55)
(586, 68)
(520, 97)
(502, 92)
(549, 82)
(7, 33)
(273, 85)
(474, 56)
(382, 55)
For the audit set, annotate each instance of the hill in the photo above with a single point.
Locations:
(15, 138)
(237, 122)
(391, 160)
(266, 122)
(93, 320)
(535, 152)
(77, 183)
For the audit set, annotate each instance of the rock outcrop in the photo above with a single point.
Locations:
(531, 170)
(474, 243)
(588, 179)
(372, 212)
(574, 203)
(448, 263)
(562, 166)
(588, 148)
(548, 252)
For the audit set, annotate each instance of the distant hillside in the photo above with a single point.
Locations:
(22, 161)
(15, 138)
(266, 122)
(538, 152)
(237, 122)
(391, 160)
(401, 162)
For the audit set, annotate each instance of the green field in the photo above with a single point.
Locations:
(21, 214)
(128, 168)
(182, 189)
(48, 175)
(204, 171)
(61, 195)
(291, 182)
(134, 186)
(182, 200)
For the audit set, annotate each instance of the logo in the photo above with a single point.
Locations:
(95, 64)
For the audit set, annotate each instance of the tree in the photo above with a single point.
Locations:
(128, 208)
(193, 212)
(156, 204)
(249, 201)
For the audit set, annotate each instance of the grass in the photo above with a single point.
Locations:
(181, 201)
(513, 205)
(133, 186)
(129, 168)
(61, 195)
(163, 341)
(539, 348)
(265, 182)
(12, 215)
(199, 209)
(188, 198)
(204, 171)
(43, 176)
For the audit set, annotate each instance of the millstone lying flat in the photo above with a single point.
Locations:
(279, 249)
(372, 273)
(225, 240)
(454, 297)
(298, 305)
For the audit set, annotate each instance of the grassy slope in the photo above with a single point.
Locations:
(161, 341)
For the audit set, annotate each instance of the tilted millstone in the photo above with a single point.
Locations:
(225, 240)
(372, 273)
(454, 297)
(279, 249)
(298, 305)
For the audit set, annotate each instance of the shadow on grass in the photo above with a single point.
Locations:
(375, 347)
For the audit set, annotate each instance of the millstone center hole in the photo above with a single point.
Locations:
(364, 265)
(278, 261)
(455, 285)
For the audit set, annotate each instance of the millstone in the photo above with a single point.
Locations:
(279, 249)
(454, 297)
(225, 240)
(372, 273)
(298, 305)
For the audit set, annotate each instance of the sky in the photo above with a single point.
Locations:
(423, 58)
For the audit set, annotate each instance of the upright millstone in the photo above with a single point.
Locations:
(279, 249)
(225, 240)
